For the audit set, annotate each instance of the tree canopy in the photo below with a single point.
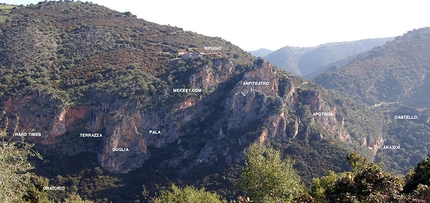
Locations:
(267, 177)
(187, 194)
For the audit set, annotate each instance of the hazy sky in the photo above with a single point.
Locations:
(277, 23)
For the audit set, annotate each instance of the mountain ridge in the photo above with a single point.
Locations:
(302, 61)
(394, 79)
(261, 52)
(388, 58)
(122, 106)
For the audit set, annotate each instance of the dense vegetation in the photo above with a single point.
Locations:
(19, 183)
(266, 177)
(394, 79)
(394, 72)
(187, 194)
(413, 138)
(76, 54)
(78, 49)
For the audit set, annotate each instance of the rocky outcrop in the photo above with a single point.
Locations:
(36, 113)
(258, 108)
(324, 114)
(257, 99)
(374, 144)
(124, 148)
(210, 75)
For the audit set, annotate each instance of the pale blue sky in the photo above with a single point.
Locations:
(276, 23)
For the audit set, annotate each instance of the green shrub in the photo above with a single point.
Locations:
(187, 194)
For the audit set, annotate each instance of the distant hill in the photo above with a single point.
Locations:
(261, 52)
(394, 78)
(302, 61)
(287, 58)
(332, 52)
(396, 71)
(329, 66)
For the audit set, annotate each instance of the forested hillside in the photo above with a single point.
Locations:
(395, 72)
(393, 78)
(102, 106)
(311, 61)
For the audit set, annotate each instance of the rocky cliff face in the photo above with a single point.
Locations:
(254, 109)
(98, 81)
(36, 113)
